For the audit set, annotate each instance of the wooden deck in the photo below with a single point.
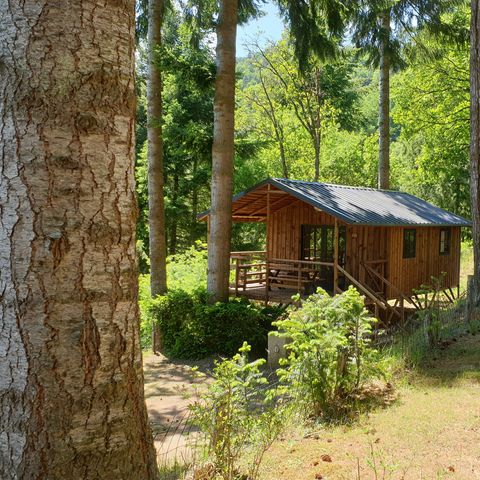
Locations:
(258, 292)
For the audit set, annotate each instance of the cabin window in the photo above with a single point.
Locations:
(318, 243)
(409, 242)
(445, 237)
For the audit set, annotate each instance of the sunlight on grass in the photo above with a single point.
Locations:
(432, 431)
(466, 264)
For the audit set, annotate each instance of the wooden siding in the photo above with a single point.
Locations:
(410, 273)
(366, 243)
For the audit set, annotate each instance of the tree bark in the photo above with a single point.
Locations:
(156, 203)
(222, 154)
(384, 104)
(316, 148)
(475, 146)
(71, 383)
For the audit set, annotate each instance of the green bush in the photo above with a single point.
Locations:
(330, 355)
(240, 417)
(193, 328)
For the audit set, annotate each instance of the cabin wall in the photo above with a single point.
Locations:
(370, 244)
(410, 273)
(284, 236)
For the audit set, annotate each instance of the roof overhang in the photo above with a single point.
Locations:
(252, 205)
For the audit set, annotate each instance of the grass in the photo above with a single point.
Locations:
(431, 432)
(466, 264)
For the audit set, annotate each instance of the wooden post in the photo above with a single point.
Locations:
(237, 275)
(335, 259)
(267, 247)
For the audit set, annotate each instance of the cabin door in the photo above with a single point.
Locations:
(318, 246)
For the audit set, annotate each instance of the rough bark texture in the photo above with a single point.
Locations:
(71, 382)
(222, 153)
(156, 206)
(384, 105)
(475, 143)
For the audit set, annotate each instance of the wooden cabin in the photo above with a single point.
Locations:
(388, 244)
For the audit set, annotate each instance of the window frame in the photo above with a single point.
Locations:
(447, 242)
(410, 251)
(323, 236)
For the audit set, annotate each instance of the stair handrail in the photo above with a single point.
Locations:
(399, 293)
(363, 288)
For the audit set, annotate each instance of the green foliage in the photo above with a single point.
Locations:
(431, 103)
(188, 270)
(330, 355)
(289, 115)
(192, 327)
(428, 334)
(240, 417)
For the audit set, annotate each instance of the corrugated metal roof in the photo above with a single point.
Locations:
(369, 206)
(364, 206)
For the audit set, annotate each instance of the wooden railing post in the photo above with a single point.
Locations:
(267, 280)
(237, 275)
(335, 259)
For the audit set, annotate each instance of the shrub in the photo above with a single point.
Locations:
(329, 352)
(240, 417)
(188, 270)
(194, 328)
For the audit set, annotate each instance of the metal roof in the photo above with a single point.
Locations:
(365, 206)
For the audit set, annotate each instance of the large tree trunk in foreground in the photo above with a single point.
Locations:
(384, 105)
(156, 206)
(475, 143)
(222, 154)
(71, 382)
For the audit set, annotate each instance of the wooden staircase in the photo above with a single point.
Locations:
(376, 299)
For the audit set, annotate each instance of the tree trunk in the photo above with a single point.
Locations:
(283, 158)
(222, 154)
(71, 383)
(156, 206)
(475, 144)
(316, 146)
(384, 105)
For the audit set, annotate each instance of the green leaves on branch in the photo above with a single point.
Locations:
(240, 416)
(330, 355)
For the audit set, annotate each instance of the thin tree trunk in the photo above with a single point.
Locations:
(156, 206)
(283, 158)
(222, 154)
(384, 105)
(316, 145)
(475, 143)
(71, 383)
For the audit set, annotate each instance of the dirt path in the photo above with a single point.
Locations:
(169, 389)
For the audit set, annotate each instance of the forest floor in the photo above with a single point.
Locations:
(431, 432)
(170, 387)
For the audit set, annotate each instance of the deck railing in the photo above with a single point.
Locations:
(249, 269)
(253, 270)
(272, 278)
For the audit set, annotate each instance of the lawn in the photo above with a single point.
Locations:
(431, 432)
